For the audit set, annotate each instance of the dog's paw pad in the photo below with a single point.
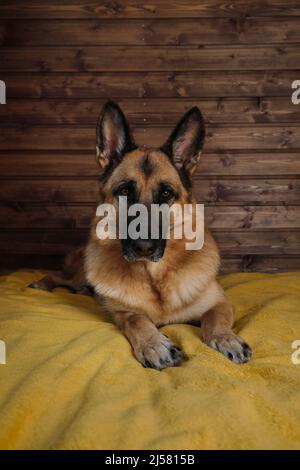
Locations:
(159, 353)
(233, 347)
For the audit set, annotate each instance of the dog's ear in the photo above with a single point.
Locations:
(113, 135)
(186, 141)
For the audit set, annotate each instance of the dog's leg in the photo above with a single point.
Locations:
(72, 275)
(46, 283)
(217, 332)
(51, 281)
(151, 348)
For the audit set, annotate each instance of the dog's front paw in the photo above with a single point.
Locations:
(159, 352)
(233, 347)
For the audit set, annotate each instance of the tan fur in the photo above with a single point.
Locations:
(143, 295)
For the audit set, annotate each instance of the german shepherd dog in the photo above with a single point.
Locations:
(148, 283)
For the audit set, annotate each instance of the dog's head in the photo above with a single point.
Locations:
(146, 175)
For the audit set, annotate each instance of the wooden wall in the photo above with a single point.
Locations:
(62, 59)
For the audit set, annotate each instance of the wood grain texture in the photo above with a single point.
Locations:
(176, 32)
(217, 138)
(259, 263)
(151, 112)
(160, 58)
(21, 215)
(83, 164)
(173, 84)
(235, 60)
(283, 191)
(155, 9)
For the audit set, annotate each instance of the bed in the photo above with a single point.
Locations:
(70, 380)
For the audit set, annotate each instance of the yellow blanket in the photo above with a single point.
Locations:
(71, 382)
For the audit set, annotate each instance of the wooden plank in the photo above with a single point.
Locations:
(262, 263)
(176, 32)
(138, 9)
(239, 191)
(24, 216)
(252, 217)
(47, 163)
(27, 262)
(256, 137)
(252, 164)
(21, 215)
(49, 242)
(150, 84)
(217, 138)
(159, 58)
(83, 164)
(151, 111)
(54, 191)
(271, 242)
(230, 244)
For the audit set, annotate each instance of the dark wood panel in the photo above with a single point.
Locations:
(140, 9)
(230, 243)
(217, 138)
(48, 163)
(236, 61)
(258, 243)
(151, 111)
(21, 215)
(159, 58)
(252, 164)
(16, 262)
(43, 242)
(259, 137)
(150, 84)
(150, 32)
(82, 164)
(262, 263)
(285, 191)
(57, 191)
(241, 191)
(252, 217)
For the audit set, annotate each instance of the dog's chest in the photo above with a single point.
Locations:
(160, 295)
(170, 294)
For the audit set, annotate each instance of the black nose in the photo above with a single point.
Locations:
(144, 247)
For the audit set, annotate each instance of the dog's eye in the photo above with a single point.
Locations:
(124, 192)
(166, 193)
(125, 188)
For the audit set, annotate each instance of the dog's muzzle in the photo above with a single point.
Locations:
(143, 249)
